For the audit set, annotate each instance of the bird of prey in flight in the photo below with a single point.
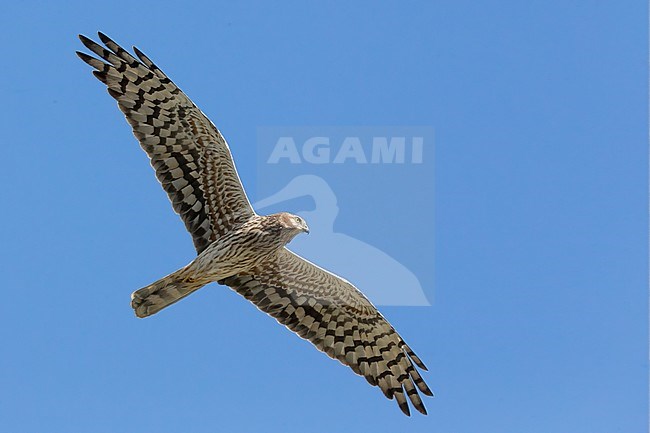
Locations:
(235, 246)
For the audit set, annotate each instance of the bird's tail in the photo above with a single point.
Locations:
(164, 292)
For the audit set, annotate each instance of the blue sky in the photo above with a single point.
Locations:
(538, 320)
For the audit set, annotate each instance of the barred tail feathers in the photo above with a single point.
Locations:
(163, 293)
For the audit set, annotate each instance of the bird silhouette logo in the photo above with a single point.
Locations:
(363, 264)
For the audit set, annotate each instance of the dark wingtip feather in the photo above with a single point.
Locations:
(90, 60)
(149, 64)
(417, 360)
(139, 53)
(404, 407)
(102, 37)
(144, 59)
(86, 41)
(83, 56)
(96, 48)
(114, 93)
(414, 357)
(101, 76)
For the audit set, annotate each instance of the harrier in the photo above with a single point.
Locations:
(235, 246)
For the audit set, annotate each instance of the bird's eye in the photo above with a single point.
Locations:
(298, 219)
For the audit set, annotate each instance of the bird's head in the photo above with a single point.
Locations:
(292, 223)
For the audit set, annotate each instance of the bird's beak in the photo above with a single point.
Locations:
(305, 229)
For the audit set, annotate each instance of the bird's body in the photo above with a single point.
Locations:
(241, 249)
(235, 246)
(246, 245)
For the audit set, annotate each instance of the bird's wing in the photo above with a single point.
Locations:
(190, 156)
(338, 319)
